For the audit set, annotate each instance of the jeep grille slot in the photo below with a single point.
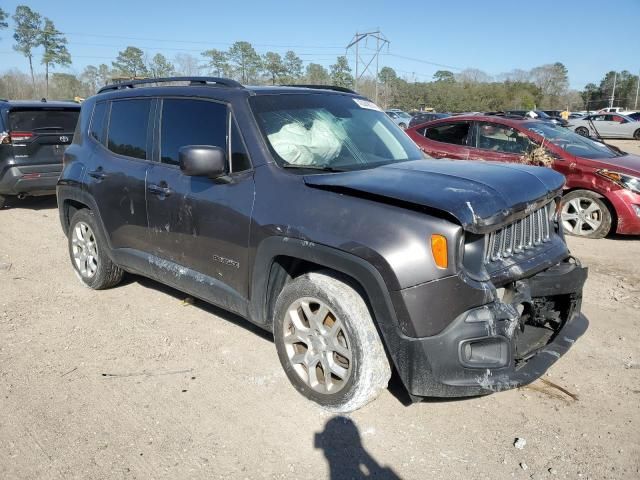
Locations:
(524, 234)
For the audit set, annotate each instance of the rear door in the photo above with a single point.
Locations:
(117, 171)
(500, 143)
(40, 135)
(446, 140)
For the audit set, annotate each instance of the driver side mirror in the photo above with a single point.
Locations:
(202, 161)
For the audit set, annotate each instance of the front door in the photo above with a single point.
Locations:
(198, 226)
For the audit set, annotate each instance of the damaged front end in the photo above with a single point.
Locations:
(504, 344)
(530, 318)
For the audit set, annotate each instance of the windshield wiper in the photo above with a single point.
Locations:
(46, 128)
(323, 168)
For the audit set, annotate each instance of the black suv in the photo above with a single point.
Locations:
(308, 212)
(33, 136)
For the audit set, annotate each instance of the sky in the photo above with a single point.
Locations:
(590, 37)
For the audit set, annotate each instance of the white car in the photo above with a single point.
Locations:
(606, 125)
(400, 117)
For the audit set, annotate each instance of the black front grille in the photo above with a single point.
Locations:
(524, 234)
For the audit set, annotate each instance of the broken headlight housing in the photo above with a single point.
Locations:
(625, 181)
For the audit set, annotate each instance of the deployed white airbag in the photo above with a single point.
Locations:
(298, 145)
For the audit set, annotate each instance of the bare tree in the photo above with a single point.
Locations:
(186, 64)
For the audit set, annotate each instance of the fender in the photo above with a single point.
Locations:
(67, 192)
(365, 274)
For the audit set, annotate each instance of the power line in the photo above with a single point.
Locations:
(200, 42)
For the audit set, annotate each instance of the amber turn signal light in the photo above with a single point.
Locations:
(439, 250)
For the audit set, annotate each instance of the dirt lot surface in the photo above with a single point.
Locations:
(134, 383)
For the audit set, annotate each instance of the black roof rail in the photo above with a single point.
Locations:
(222, 82)
(325, 87)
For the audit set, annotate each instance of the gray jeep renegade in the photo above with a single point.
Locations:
(308, 212)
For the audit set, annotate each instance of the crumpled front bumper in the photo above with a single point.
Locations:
(504, 344)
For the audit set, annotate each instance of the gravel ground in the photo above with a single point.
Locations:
(135, 383)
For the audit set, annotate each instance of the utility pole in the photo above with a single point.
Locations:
(613, 92)
(637, 90)
(381, 41)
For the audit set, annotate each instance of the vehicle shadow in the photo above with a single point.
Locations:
(200, 304)
(46, 202)
(347, 458)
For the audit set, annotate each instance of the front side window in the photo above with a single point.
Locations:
(330, 131)
(191, 122)
(454, 133)
(128, 127)
(500, 138)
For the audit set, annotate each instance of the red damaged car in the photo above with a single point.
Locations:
(602, 191)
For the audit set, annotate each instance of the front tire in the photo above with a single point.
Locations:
(636, 134)
(3, 200)
(403, 126)
(93, 266)
(328, 344)
(582, 131)
(585, 214)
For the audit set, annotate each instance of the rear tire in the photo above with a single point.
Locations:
(3, 200)
(585, 214)
(90, 261)
(328, 344)
(403, 126)
(582, 131)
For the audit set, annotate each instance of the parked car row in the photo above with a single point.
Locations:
(273, 221)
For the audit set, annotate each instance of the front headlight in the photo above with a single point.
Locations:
(626, 181)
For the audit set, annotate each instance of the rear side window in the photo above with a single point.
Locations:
(44, 120)
(191, 122)
(128, 126)
(454, 133)
(97, 129)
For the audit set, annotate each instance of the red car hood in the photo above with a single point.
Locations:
(626, 164)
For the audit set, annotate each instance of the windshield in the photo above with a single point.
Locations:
(572, 142)
(330, 131)
(24, 120)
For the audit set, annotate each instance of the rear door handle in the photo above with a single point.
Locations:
(159, 190)
(98, 174)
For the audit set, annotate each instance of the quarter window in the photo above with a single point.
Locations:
(239, 157)
(191, 122)
(98, 121)
(454, 133)
(128, 127)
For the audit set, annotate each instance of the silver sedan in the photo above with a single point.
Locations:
(607, 125)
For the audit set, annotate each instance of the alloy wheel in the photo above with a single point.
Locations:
(317, 345)
(84, 250)
(581, 216)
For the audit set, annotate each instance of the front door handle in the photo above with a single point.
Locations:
(159, 190)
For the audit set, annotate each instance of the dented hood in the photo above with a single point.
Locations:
(478, 194)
